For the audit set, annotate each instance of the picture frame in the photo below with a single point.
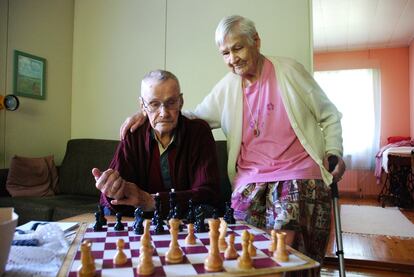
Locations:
(29, 78)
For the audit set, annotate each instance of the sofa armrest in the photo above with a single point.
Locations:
(3, 178)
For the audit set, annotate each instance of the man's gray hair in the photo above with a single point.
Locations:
(156, 77)
(235, 25)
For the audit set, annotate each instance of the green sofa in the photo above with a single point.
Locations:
(76, 187)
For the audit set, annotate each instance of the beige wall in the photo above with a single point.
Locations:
(98, 50)
(43, 28)
(3, 66)
(116, 42)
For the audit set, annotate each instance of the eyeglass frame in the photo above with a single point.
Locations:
(146, 105)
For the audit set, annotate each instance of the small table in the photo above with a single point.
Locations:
(398, 186)
(86, 219)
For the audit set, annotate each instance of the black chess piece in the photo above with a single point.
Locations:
(199, 224)
(173, 203)
(157, 212)
(176, 215)
(119, 226)
(229, 214)
(215, 213)
(190, 212)
(102, 217)
(98, 224)
(157, 220)
(139, 221)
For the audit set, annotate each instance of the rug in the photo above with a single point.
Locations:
(375, 221)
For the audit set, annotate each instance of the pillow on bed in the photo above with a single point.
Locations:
(32, 176)
(397, 139)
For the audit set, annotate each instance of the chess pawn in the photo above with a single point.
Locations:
(98, 224)
(213, 262)
(146, 265)
(222, 238)
(174, 254)
(119, 226)
(190, 239)
(120, 258)
(272, 246)
(245, 261)
(231, 252)
(87, 267)
(251, 248)
(281, 254)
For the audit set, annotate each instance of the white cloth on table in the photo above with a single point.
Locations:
(378, 157)
(396, 151)
(43, 260)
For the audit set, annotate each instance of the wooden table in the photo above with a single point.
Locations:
(86, 219)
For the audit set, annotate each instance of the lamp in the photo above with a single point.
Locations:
(10, 102)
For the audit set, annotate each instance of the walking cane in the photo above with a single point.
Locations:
(333, 160)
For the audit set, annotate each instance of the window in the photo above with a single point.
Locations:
(356, 94)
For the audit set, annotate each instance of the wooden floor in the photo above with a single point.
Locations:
(369, 255)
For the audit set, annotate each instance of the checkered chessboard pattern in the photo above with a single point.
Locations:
(104, 249)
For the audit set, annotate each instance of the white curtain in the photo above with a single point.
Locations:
(356, 94)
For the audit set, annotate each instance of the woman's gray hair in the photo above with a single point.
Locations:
(156, 77)
(235, 24)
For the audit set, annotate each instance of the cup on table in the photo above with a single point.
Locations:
(8, 222)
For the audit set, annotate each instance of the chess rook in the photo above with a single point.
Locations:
(281, 254)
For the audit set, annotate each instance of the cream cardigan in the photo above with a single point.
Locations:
(315, 120)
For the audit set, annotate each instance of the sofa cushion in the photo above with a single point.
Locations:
(32, 176)
(81, 156)
(27, 209)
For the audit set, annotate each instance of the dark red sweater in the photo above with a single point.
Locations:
(194, 170)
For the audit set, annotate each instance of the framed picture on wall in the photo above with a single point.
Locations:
(29, 75)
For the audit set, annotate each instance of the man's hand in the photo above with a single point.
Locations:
(109, 182)
(339, 169)
(132, 123)
(134, 196)
(112, 185)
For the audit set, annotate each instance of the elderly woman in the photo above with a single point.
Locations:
(160, 155)
(280, 128)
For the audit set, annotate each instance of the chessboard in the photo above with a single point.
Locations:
(104, 248)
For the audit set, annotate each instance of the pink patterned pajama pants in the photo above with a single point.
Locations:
(303, 206)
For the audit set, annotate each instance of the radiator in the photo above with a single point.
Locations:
(361, 183)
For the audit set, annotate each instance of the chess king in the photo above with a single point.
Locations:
(169, 151)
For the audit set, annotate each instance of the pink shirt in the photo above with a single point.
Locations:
(276, 154)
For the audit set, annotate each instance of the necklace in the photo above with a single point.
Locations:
(256, 130)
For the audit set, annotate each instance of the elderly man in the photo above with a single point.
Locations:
(167, 151)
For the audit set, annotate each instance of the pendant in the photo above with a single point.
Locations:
(256, 132)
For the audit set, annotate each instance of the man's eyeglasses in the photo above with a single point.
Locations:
(170, 104)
